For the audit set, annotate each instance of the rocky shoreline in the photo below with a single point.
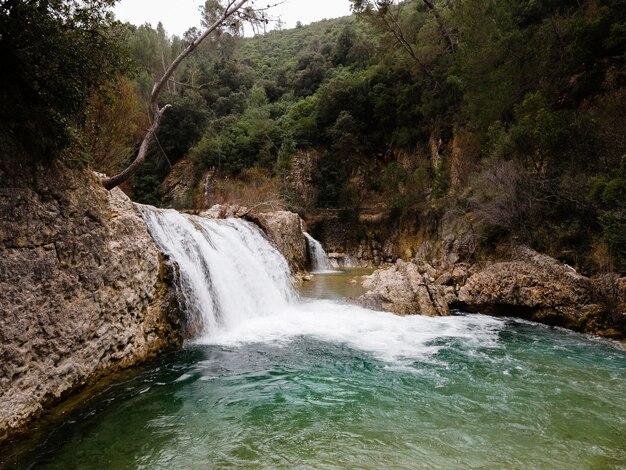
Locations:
(528, 285)
(84, 291)
(94, 295)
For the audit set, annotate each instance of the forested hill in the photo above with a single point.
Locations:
(486, 120)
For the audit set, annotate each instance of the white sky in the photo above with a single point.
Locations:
(180, 15)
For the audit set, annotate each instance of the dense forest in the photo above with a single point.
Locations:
(492, 120)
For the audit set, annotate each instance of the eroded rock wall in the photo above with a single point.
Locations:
(83, 289)
(283, 228)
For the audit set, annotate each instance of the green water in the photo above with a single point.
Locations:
(332, 386)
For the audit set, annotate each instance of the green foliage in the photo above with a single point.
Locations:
(537, 88)
(54, 54)
(609, 192)
(183, 124)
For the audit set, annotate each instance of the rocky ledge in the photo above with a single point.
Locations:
(83, 289)
(283, 228)
(529, 285)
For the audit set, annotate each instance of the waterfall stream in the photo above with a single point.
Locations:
(273, 381)
(229, 271)
(319, 259)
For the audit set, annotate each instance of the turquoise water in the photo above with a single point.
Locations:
(327, 385)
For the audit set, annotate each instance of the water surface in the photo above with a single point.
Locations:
(276, 382)
(325, 385)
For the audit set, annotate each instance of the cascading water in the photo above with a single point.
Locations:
(276, 383)
(319, 259)
(229, 271)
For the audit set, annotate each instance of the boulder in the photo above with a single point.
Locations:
(406, 289)
(536, 287)
(284, 229)
(83, 289)
(529, 285)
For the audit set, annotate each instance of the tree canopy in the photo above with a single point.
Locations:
(54, 54)
(505, 117)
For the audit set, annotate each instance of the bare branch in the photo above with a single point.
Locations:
(157, 114)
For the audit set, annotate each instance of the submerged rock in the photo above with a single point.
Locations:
(83, 289)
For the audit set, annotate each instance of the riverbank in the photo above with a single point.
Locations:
(527, 285)
(322, 382)
(84, 291)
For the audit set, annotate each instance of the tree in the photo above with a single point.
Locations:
(55, 55)
(387, 15)
(231, 10)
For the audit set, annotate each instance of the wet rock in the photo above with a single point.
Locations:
(83, 289)
(404, 290)
(284, 229)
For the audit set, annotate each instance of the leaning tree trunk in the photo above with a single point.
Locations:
(442, 27)
(157, 112)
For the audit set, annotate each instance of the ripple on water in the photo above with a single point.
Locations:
(323, 385)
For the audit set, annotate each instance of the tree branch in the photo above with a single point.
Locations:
(442, 27)
(157, 113)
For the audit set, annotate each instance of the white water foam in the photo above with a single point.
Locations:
(229, 271)
(237, 286)
(319, 259)
(388, 337)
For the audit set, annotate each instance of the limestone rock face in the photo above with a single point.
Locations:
(83, 289)
(406, 288)
(530, 285)
(535, 286)
(224, 211)
(530, 280)
(177, 184)
(284, 229)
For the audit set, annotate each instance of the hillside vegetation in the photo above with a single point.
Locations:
(491, 121)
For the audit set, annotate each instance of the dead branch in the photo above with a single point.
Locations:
(157, 113)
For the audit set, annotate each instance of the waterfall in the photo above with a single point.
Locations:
(229, 271)
(319, 259)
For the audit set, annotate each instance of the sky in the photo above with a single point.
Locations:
(179, 15)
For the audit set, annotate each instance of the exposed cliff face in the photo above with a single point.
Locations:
(530, 285)
(372, 238)
(83, 289)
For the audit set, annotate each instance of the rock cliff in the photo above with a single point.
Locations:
(529, 285)
(83, 289)
(284, 228)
